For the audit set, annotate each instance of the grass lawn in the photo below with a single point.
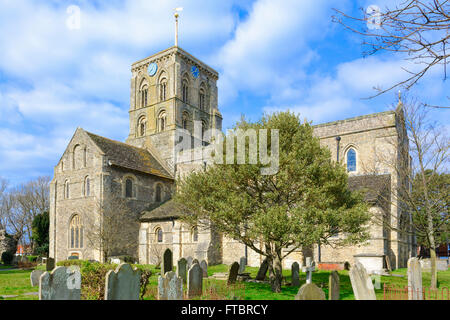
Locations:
(17, 282)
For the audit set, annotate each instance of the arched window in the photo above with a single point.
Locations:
(185, 120)
(204, 128)
(87, 187)
(185, 91)
(158, 193)
(144, 96)
(159, 235)
(351, 160)
(77, 157)
(162, 121)
(163, 89)
(194, 234)
(142, 126)
(76, 232)
(201, 99)
(66, 189)
(128, 188)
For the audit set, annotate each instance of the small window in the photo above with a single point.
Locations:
(159, 235)
(129, 188)
(163, 90)
(162, 121)
(185, 119)
(185, 92)
(201, 99)
(87, 187)
(66, 190)
(144, 95)
(194, 233)
(351, 160)
(142, 126)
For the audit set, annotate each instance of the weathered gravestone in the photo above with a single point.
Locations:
(233, 272)
(50, 264)
(182, 269)
(170, 287)
(262, 270)
(123, 283)
(333, 286)
(204, 266)
(295, 272)
(35, 276)
(309, 291)
(242, 264)
(167, 261)
(61, 284)
(361, 283)
(414, 279)
(195, 281)
(309, 268)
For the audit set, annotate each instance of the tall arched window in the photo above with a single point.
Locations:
(142, 126)
(128, 188)
(159, 235)
(163, 89)
(76, 232)
(201, 99)
(162, 121)
(158, 193)
(87, 187)
(351, 160)
(194, 234)
(77, 157)
(66, 189)
(144, 96)
(185, 91)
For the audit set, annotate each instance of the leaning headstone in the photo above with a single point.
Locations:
(295, 272)
(167, 262)
(361, 283)
(123, 283)
(182, 270)
(50, 264)
(242, 264)
(189, 262)
(388, 263)
(262, 270)
(414, 279)
(170, 287)
(204, 266)
(309, 291)
(195, 281)
(34, 277)
(233, 272)
(61, 284)
(333, 286)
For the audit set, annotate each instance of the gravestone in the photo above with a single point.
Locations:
(204, 266)
(388, 263)
(195, 261)
(333, 286)
(309, 268)
(189, 262)
(61, 284)
(414, 279)
(309, 291)
(195, 281)
(361, 283)
(233, 272)
(50, 264)
(170, 287)
(242, 264)
(167, 262)
(262, 270)
(35, 276)
(295, 272)
(123, 283)
(182, 269)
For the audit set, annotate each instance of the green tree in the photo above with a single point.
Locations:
(40, 232)
(305, 202)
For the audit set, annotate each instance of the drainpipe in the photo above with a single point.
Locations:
(338, 139)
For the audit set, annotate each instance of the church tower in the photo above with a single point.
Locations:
(169, 91)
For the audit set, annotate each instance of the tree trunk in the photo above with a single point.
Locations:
(433, 267)
(275, 273)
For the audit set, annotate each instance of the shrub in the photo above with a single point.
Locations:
(32, 258)
(7, 257)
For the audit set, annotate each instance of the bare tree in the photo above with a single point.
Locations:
(3, 186)
(418, 160)
(418, 30)
(114, 229)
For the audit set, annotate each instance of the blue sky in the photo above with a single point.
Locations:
(270, 55)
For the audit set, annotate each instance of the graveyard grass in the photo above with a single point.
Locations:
(17, 282)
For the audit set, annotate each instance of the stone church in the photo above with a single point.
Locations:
(171, 90)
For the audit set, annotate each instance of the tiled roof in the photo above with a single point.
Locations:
(167, 210)
(377, 188)
(127, 156)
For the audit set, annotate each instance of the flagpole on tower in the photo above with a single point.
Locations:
(176, 15)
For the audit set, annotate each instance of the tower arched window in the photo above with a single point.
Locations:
(66, 189)
(128, 188)
(163, 89)
(204, 128)
(87, 187)
(201, 99)
(144, 96)
(351, 160)
(162, 121)
(159, 235)
(185, 120)
(142, 126)
(185, 91)
(76, 232)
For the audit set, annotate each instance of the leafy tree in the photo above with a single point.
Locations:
(305, 202)
(40, 232)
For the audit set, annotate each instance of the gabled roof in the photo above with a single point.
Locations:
(130, 157)
(166, 211)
